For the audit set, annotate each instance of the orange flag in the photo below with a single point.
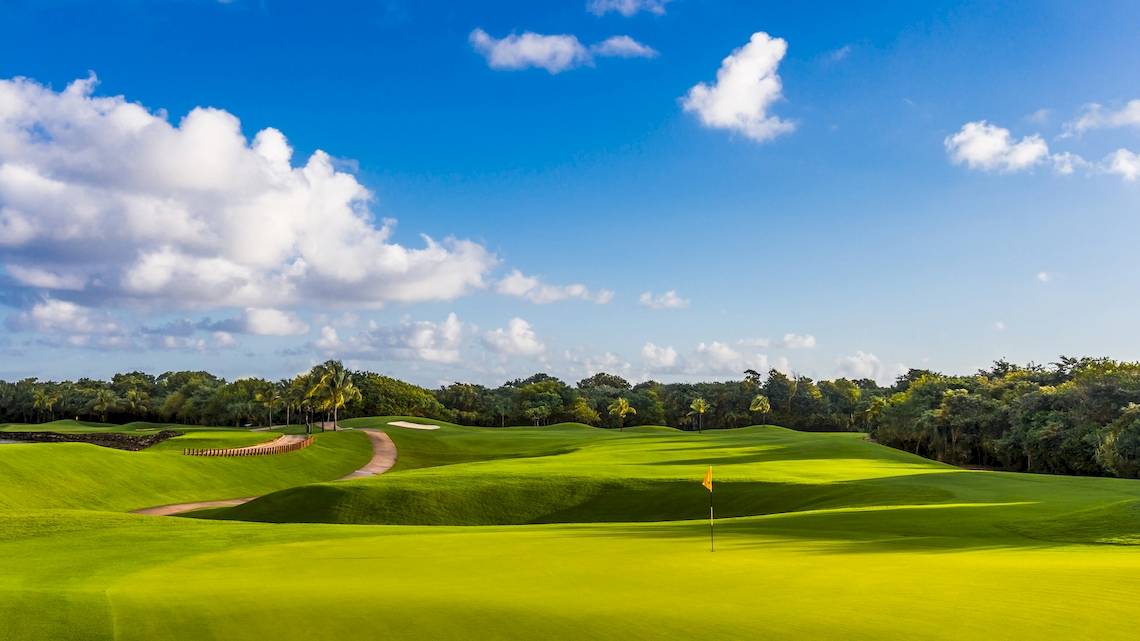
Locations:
(708, 480)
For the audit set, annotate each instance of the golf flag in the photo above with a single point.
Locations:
(708, 480)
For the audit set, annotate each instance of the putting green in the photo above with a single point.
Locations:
(836, 538)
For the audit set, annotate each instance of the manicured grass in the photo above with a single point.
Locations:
(82, 476)
(842, 539)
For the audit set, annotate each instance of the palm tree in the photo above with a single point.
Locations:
(871, 414)
(761, 405)
(40, 401)
(104, 402)
(270, 397)
(137, 401)
(700, 406)
(334, 389)
(620, 408)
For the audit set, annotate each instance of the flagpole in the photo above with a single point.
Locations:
(711, 545)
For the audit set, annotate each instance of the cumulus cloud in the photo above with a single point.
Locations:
(37, 278)
(668, 300)
(1043, 277)
(747, 85)
(1123, 163)
(52, 316)
(516, 339)
(797, 341)
(980, 145)
(533, 289)
(588, 365)
(622, 47)
(866, 365)
(273, 322)
(555, 53)
(1095, 116)
(713, 358)
(1065, 163)
(410, 340)
(659, 358)
(103, 197)
(626, 8)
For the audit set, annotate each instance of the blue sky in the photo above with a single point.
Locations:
(898, 185)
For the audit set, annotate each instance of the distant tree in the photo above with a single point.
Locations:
(760, 405)
(333, 388)
(699, 407)
(621, 408)
(104, 403)
(581, 412)
(270, 397)
(41, 398)
(137, 402)
(602, 379)
(537, 413)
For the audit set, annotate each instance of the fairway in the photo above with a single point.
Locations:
(562, 532)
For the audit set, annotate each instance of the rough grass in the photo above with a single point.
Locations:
(844, 539)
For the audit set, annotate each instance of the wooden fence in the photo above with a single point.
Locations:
(251, 451)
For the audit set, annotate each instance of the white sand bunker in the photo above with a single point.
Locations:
(414, 426)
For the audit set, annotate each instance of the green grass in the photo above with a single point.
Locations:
(82, 476)
(833, 538)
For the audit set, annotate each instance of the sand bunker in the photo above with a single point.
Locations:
(414, 426)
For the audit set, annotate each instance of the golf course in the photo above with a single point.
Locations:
(558, 532)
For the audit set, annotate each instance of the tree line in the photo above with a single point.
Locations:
(1075, 416)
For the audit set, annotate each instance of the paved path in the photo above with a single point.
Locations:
(383, 458)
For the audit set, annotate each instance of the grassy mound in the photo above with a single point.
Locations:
(81, 476)
(573, 474)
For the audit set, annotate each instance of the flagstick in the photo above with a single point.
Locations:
(711, 545)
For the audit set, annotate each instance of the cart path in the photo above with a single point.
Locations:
(383, 458)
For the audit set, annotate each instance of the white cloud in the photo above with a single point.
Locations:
(668, 300)
(517, 339)
(1123, 163)
(554, 53)
(747, 85)
(622, 47)
(329, 339)
(1095, 116)
(531, 288)
(52, 316)
(224, 340)
(108, 196)
(1043, 277)
(273, 322)
(410, 340)
(867, 365)
(626, 8)
(607, 362)
(1065, 163)
(980, 145)
(44, 279)
(659, 358)
(999, 326)
(754, 342)
(797, 341)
